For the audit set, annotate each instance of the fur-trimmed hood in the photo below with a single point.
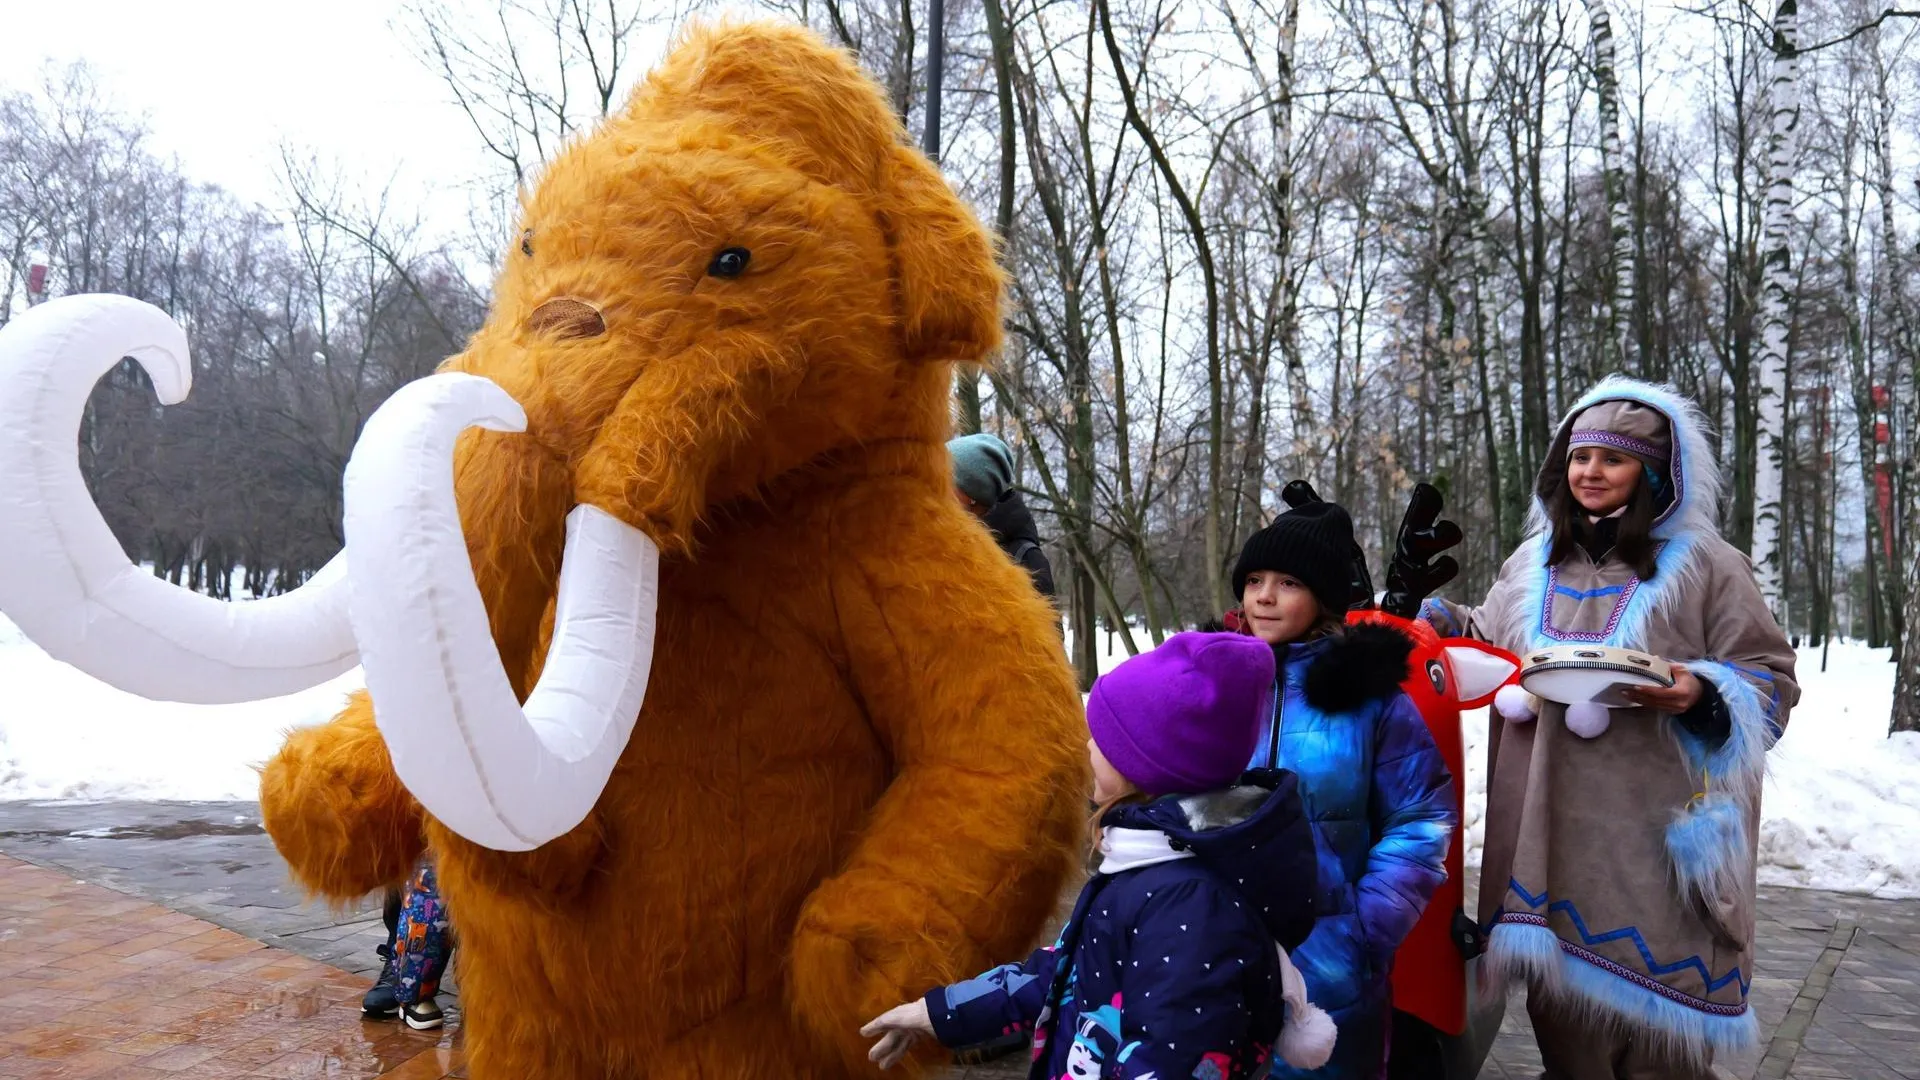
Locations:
(1694, 470)
(1364, 665)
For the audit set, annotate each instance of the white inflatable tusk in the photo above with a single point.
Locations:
(66, 582)
(502, 776)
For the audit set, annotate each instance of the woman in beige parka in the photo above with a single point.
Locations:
(1618, 873)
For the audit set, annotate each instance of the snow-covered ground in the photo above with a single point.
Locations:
(1842, 808)
(65, 735)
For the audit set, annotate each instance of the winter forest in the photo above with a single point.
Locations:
(1362, 242)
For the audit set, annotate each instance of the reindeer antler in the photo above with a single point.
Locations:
(1414, 573)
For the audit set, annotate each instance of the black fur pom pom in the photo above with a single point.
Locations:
(1368, 664)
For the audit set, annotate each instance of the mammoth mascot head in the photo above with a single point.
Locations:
(744, 272)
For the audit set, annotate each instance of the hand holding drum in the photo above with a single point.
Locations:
(1593, 679)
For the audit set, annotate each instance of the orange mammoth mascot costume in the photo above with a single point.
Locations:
(731, 319)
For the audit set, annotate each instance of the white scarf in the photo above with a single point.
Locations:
(1131, 849)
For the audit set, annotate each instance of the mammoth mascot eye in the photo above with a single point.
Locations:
(1437, 675)
(730, 263)
(526, 243)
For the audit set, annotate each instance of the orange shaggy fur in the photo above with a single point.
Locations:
(858, 770)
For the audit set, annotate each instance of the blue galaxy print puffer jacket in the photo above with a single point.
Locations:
(1379, 798)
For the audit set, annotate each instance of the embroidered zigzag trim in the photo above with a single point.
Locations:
(1431, 611)
(1632, 976)
(1595, 994)
(1629, 933)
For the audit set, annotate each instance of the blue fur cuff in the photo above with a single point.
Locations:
(1737, 763)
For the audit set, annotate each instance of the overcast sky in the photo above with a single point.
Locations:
(223, 83)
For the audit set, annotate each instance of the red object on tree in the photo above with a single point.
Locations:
(1445, 676)
(37, 280)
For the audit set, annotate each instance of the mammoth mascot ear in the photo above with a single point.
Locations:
(946, 283)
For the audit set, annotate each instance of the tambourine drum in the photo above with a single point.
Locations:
(1572, 674)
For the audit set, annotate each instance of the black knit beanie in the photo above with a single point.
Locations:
(1313, 543)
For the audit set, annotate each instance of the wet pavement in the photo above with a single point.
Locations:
(164, 939)
(96, 983)
(211, 860)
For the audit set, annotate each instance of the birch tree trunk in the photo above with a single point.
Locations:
(1906, 681)
(1881, 569)
(1616, 310)
(1283, 241)
(1784, 104)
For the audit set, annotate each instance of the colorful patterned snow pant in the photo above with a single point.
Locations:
(423, 940)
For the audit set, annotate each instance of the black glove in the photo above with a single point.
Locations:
(1467, 935)
(1299, 493)
(1414, 573)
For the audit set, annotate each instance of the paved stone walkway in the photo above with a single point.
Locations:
(211, 860)
(95, 983)
(1837, 986)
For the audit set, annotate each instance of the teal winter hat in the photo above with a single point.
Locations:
(982, 467)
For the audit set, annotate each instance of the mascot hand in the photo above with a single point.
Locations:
(1414, 574)
(866, 940)
(336, 811)
(898, 1029)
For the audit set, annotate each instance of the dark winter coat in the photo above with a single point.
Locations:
(1014, 530)
(1167, 966)
(1381, 802)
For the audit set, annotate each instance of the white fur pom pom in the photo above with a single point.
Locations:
(1589, 720)
(1307, 1034)
(1306, 1040)
(1514, 703)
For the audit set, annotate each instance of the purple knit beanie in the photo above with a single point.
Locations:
(1184, 718)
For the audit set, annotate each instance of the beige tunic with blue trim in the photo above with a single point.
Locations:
(1608, 882)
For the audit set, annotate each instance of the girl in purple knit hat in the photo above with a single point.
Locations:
(1173, 963)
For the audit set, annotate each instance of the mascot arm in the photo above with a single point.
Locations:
(335, 809)
(957, 663)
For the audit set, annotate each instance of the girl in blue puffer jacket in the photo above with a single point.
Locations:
(1173, 963)
(1376, 788)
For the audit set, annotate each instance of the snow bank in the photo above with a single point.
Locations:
(1842, 807)
(65, 735)
(1840, 810)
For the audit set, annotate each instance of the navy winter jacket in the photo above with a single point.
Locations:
(1381, 802)
(1167, 967)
